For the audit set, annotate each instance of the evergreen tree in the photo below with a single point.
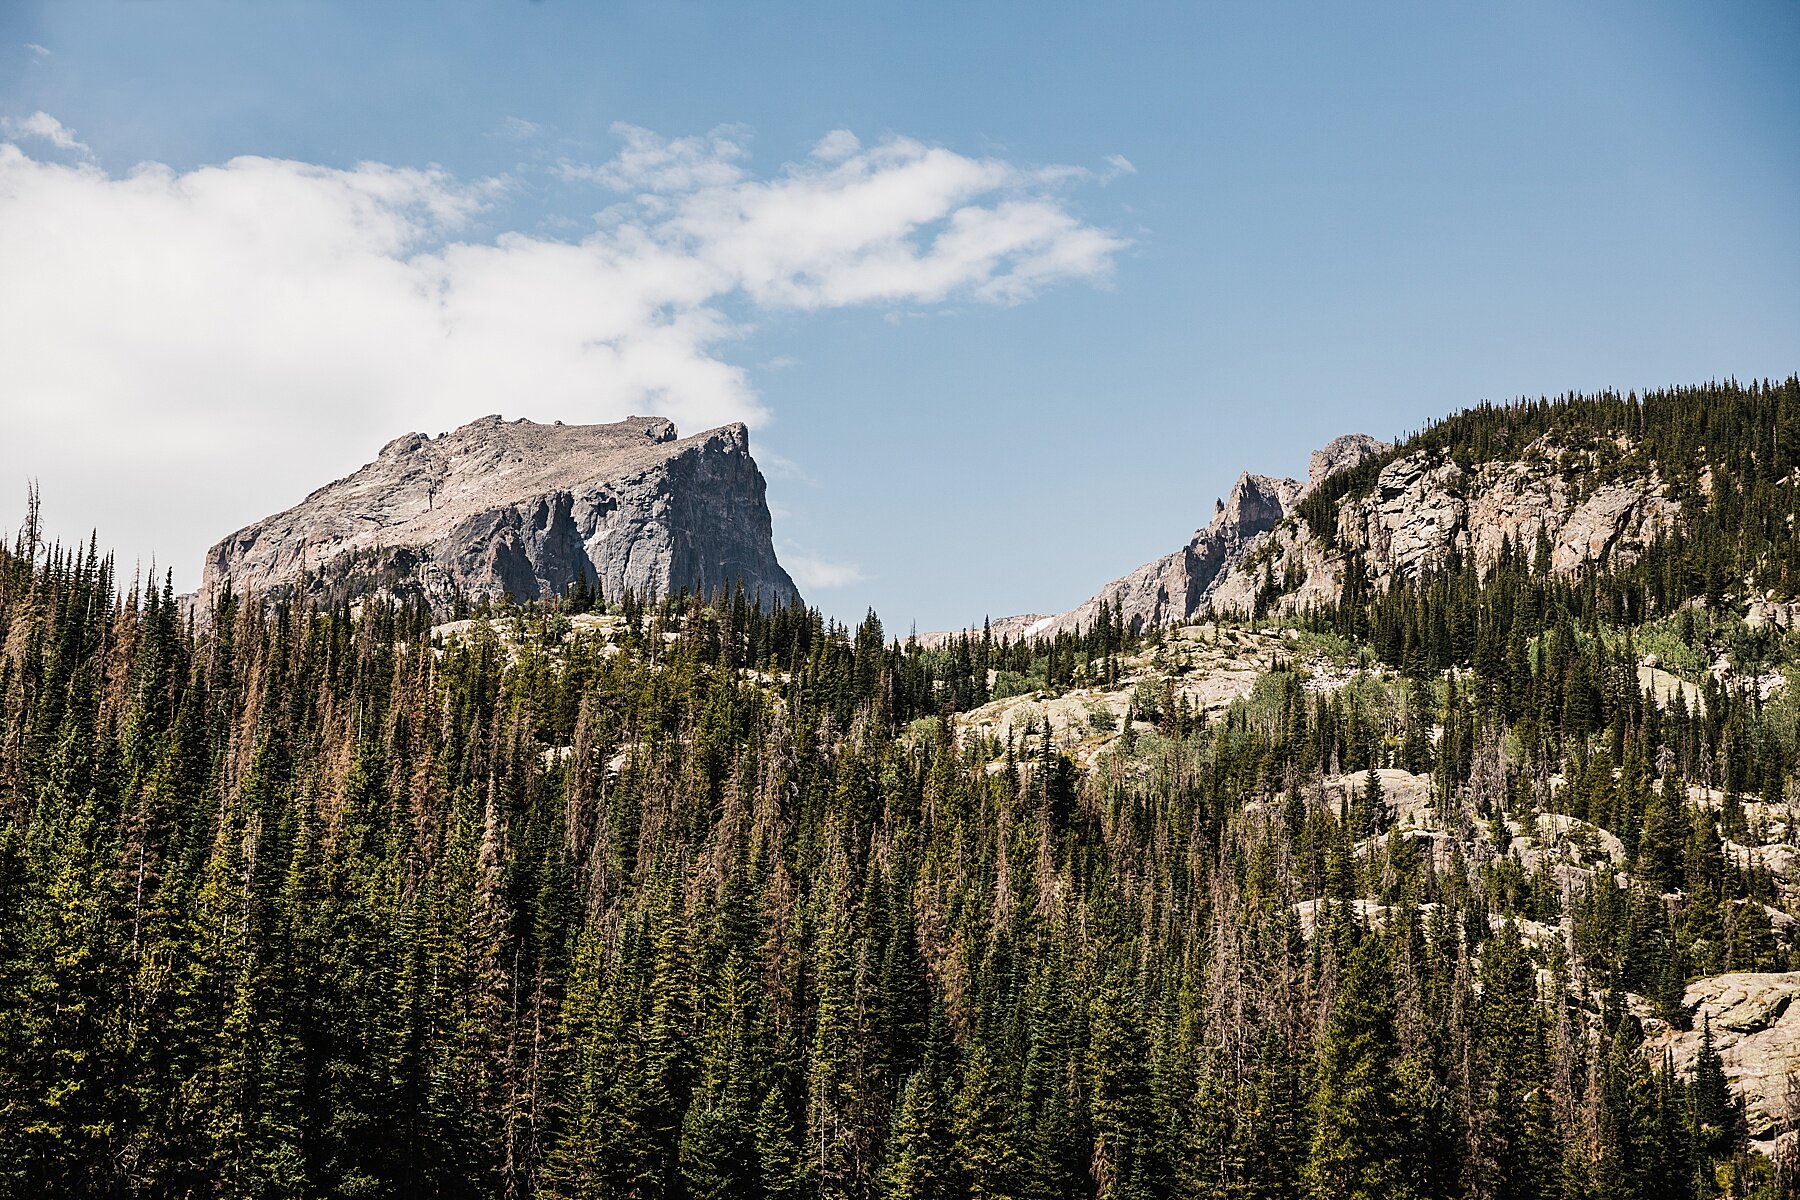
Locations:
(1364, 1141)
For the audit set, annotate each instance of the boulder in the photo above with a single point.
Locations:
(1756, 1031)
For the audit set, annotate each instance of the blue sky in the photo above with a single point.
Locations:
(1256, 227)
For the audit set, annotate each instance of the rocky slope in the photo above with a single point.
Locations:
(1180, 586)
(1756, 1031)
(1220, 672)
(1420, 510)
(513, 508)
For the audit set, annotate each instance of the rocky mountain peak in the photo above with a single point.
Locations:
(1340, 454)
(1419, 511)
(1256, 502)
(1178, 586)
(517, 508)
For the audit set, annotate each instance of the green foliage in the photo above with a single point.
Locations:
(1366, 1129)
(296, 903)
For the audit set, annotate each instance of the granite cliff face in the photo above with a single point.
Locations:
(1415, 513)
(1181, 585)
(513, 508)
(1421, 510)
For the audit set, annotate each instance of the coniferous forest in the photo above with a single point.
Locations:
(616, 898)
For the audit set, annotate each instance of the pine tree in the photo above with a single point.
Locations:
(1364, 1138)
(779, 1165)
(1124, 1167)
(920, 1151)
(1718, 1121)
(1513, 1132)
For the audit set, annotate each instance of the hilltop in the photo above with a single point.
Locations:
(517, 510)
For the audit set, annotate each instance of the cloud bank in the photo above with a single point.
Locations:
(236, 330)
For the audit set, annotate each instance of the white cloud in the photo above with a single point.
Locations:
(1118, 165)
(224, 339)
(818, 574)
(836, 146)
(43, 127)
(653, 164)
(39, 51)
(519, 129)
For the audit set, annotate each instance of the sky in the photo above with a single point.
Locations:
(1008, 293)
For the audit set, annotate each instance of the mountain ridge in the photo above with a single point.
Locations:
(1178, 586)
(517, 509)
(1393, 511)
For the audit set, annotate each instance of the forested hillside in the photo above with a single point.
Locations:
(605, 898)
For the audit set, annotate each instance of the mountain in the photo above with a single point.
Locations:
(1181, 585)
(1573, 497)
(514, 508)
(1400, 514)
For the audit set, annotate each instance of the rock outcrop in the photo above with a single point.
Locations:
(1340, 454)
(1421, 511)
(1200, 669)
(1181, 585)
(1756, 1031)
(513, 508)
